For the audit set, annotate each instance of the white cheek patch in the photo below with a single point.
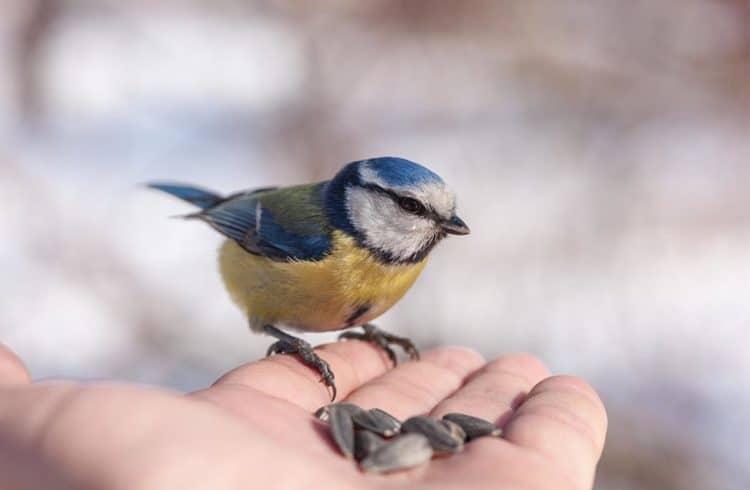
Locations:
(385, 225)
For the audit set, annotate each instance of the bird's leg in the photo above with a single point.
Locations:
(288, 344)
(384, 340)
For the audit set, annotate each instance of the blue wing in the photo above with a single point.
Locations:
(285, 224)
(194, 195)
(197, 196)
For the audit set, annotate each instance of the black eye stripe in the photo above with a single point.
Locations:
(398, 199)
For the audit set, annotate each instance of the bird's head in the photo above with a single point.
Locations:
(396, 208)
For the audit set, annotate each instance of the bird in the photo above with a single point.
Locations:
(329, 255)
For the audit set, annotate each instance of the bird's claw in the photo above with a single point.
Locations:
(384, 340)
(308, 356)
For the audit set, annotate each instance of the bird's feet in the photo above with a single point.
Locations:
(288, 344)
(384, 340)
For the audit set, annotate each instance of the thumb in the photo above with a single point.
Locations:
(12, 369)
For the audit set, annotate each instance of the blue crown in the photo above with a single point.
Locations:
(399, 172)
(393, 171)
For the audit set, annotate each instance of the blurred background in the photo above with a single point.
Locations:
(600, 150)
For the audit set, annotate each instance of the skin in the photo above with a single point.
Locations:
(253, 428)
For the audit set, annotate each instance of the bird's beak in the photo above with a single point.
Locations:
(455, 226)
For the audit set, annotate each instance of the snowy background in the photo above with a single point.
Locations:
(600, 150)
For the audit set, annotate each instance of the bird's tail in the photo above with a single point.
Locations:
(199, 197)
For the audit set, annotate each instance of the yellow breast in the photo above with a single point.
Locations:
(317, 296)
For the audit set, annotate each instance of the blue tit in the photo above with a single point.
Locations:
(329, 255)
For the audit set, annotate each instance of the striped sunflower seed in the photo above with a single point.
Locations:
(474, 427)
(400, 453)
(378, 421)
(322, 413)
(440, 437)
(366, 443)
(342, 426)
(455, 430)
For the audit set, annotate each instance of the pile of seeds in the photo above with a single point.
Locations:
(383, 444)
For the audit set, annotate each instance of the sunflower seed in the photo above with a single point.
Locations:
(366, 443)
(342, 426)
(440, 437)
(377, 421)
(322, 413)
(455, 430)
(384, 418)
(474, 426)
(400, 453)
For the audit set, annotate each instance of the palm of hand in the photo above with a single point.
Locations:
(254, 428)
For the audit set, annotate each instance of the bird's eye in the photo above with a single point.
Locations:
(410, 205)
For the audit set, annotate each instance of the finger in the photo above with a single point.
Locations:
(59, 435)
(12, 368)
(495, 390)
(283, 376)
(416, 387)
(564, 419)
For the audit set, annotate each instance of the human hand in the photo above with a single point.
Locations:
(254, 427)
